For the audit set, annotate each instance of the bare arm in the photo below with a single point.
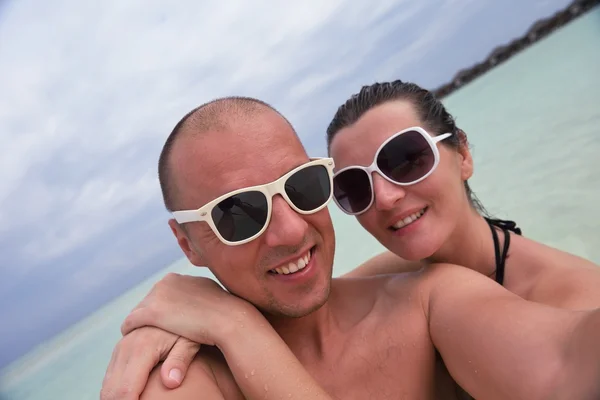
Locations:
(264, 366)
(258, 359)
(384, 263)
(258, 366)
(497, 345)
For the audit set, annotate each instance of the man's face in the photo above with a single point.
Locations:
(252, 152)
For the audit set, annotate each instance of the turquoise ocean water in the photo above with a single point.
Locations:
(534, 127)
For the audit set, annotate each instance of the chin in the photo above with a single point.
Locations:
(298, 305)
(299, 312)
(296, 310)
(414, 250)
(314, 301)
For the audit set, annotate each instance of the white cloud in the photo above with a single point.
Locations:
(443, 22)
(98, 206)
(89, 84)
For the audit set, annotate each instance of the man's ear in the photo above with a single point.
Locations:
(186, 245)
(466, 163)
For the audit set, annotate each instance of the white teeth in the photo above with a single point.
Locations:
(301, 263)
(408, 220)
(293, 266)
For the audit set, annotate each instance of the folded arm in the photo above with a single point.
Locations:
(257, 364)
(259, 361)
(497, 345)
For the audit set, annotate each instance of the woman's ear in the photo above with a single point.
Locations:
(466, 165)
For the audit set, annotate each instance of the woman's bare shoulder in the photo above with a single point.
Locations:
(545, 274)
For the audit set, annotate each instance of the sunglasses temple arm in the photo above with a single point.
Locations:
(187, 216)
(441, 137)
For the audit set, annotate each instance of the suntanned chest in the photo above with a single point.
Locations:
(385, 359)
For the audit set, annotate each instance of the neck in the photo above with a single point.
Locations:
(310, 335)
(320, 334)
(469, 245)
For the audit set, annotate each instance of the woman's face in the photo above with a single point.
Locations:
(440, 199)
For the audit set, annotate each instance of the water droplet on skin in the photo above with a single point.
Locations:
(252, 372)
(266, 388)
(241, 325)
(246, 376)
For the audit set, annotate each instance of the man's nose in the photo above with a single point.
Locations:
(287, 227)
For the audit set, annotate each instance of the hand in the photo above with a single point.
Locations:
(196, 308)
(137, 354)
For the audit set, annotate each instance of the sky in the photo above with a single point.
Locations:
(89, 91)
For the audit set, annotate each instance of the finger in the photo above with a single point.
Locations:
(118, 383)
(142, 304)
(130, 368)
(136, 373)
(138, 318)
(158, 316)
(106, 393)
(177, 362)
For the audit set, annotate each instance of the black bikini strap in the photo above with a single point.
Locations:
(505, 226)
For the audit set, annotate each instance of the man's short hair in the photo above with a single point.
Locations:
(214, 115)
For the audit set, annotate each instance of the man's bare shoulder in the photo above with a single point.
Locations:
(385, 263)
(420, 284)
(416, 282)
(437, 274)
(392, 291)
(208, 377)
(448, 282)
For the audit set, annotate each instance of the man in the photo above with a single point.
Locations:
(263, 230)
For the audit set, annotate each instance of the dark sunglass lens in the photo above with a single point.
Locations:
(240, 216)
(309, 188)
(352, 190)
(406, 158)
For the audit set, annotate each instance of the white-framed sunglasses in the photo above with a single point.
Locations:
(244, 214)
(406, 158)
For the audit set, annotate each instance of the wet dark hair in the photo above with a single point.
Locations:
(430, 110)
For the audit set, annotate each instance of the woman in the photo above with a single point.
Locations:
(407, 184)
